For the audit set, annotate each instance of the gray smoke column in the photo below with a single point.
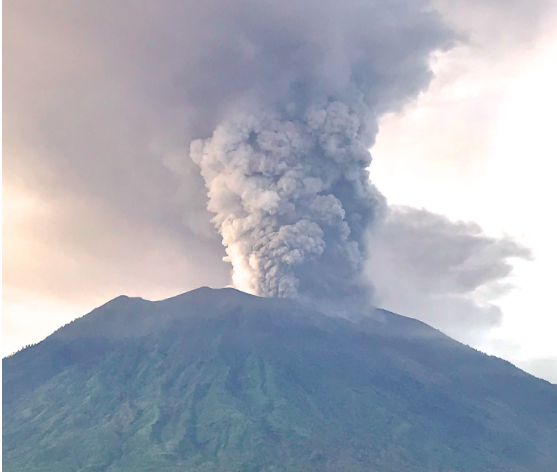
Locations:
(292, 199)
(286, 167)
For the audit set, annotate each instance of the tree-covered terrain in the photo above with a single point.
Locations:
(217, 380)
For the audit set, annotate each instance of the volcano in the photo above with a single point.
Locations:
(218, 380)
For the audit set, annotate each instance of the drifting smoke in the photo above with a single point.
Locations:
(446, 273)
(287, 177)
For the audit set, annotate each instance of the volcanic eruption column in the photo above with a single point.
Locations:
(287, 172)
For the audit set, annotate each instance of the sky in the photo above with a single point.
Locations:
(100, 197)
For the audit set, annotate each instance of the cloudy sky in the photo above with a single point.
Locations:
(100, 197)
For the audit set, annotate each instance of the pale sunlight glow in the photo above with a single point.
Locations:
(472, 151)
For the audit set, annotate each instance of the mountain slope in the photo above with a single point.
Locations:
(217, 380)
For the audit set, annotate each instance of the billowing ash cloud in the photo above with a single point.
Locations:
(286, 169)
(292, 199)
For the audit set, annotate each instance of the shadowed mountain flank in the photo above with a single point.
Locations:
(218, 380)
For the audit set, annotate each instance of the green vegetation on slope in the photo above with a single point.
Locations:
(216, 380)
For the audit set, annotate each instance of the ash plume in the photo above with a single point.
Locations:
(286, 169)
(280, 100)
(280, 188)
